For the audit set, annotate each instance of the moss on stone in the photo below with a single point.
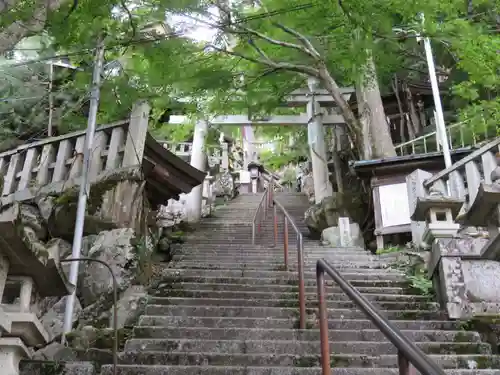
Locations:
(52, 368)
(69, 197)
(306, 361)
(290, 303)
(281, 268)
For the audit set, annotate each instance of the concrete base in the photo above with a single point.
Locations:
(28, 328)
(5, 323)
(12, 351)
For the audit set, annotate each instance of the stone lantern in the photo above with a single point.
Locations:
(26, 274)
(438, 212)
(255, 170)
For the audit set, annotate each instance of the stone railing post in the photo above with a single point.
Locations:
(438, 210)
(224, 156)
(136, 137)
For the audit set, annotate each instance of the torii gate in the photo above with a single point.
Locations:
(315, 117)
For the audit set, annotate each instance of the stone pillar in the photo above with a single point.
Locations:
(249, 154)
(136, 136)
(224, 156)
(416, 190)
(4, 270)
(198, 160)
(317, 149)
(26, 293)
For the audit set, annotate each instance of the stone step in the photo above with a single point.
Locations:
(213, 257)
(279, 269)
(225, 247)
(292, 266)
(238, 333)
(215, 359)
(239, 255)
(291, 280)
(378, 274)
(385, 305)
(263, 370)
(34, 367)
(270, 323)
(165, 288)
(281, 312)
(297, 347)
(269, 295)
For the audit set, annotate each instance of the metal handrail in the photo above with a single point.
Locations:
(408, 353)
(300, 254)
(433, 134)
(261, 211)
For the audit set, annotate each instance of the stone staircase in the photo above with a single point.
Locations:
(229, 308)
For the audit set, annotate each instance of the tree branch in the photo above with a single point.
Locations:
(306, 42)
(270, 40)
(5, 5)
(304, 69)
(12, 34)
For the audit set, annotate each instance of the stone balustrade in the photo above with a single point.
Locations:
(216, 154)
(56, 163)
(456, 216)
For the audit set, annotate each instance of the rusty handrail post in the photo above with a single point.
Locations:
(302, 298)
(285, 242)
(323, 322)
(410, 357)
(270, 194)
(275, 225)
(405, 367)
(253, 233)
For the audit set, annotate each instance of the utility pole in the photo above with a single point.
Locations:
(440, 125)
(84, 184)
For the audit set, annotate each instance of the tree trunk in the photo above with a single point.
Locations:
(17, 30)
(337, 164)
(414, 118)
(352, 123)
(377, 141)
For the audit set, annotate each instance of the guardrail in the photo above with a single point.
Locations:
(410, 357)
(288, 221)
(459, 135)
(465, 176)
(260, 213)
(268, 200)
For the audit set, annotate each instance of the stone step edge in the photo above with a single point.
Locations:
(300, 331)
(293, 309)
(273, 300)
(291, 319)
(107, 369)
(337, 355)
(306, 342)
(404, 296)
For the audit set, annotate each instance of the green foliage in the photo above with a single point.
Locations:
(275, 161)
(173, 66)
(389, 250)
(142, 252)
(415, 272)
